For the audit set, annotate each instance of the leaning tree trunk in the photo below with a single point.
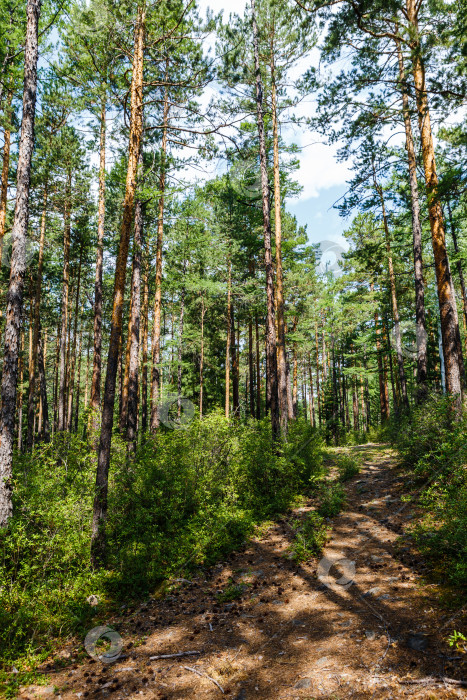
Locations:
(35, 339)
(281, 354)
(18, 263)
(420, 323)
(452, 348)
(271, 351)
(64, 316)
(98, 541)
(156, 334)
(97, 356)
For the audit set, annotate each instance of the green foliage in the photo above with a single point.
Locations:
(332, 497)
(347, 466)
(232, 592)
(458, 641)
(432, 444)
(190, 496)
(310, 537)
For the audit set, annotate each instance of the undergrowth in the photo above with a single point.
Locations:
(432, 443)
(188, 498)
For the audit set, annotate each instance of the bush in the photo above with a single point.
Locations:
(310, 537)
(332, 499)
(433, 446)
(189, 497)
(347, 466)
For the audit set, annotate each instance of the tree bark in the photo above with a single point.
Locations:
(75, 340)
(460, 271)
(383, 388)
(233, 350)
(228, 343)
(64, 315)
(180, 346)
(98, 541)
(156, 336)
(145, 330)
(5, 171)
(133, 378)
(18, 263)
(36, 325)
(271, 350)
(95, 401)
(201, 359)
(258, 371)
(41, 360)
(318, 393)
(420, 323)
(452, 349)
(281, 353)
(395, 308)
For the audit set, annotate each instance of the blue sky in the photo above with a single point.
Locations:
(321, 176)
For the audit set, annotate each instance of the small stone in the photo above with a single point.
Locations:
(322, 662)
(370, 634)
(303, 683)
(373, 591)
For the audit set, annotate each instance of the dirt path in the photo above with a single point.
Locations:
(290, 635)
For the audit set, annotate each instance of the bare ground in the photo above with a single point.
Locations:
(290, 635)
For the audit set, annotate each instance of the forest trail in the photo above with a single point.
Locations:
(289, 635)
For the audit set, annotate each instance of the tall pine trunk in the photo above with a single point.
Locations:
(36, 324)
(392, 284)
(452, 349)
(281, 353)
(64, 315)
(144, 359)
(18, 263)
(98, 541)
(420, 323)
(271, 351)
(228, 344)
(133, 378)
(156, 336)
(95, 401)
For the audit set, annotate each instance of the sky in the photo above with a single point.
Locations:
(321, 176)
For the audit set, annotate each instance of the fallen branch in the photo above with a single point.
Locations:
(204, 675)
(173, 656)
(427, 681)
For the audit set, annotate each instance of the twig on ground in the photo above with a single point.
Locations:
(173, 656)
(431, 680)
(204, 675)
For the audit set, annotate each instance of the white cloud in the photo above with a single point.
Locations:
(319, 169)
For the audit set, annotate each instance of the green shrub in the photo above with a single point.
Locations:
(433, 448)
(310, 537)
(347, 466)
(332, 496)
(190, 496)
